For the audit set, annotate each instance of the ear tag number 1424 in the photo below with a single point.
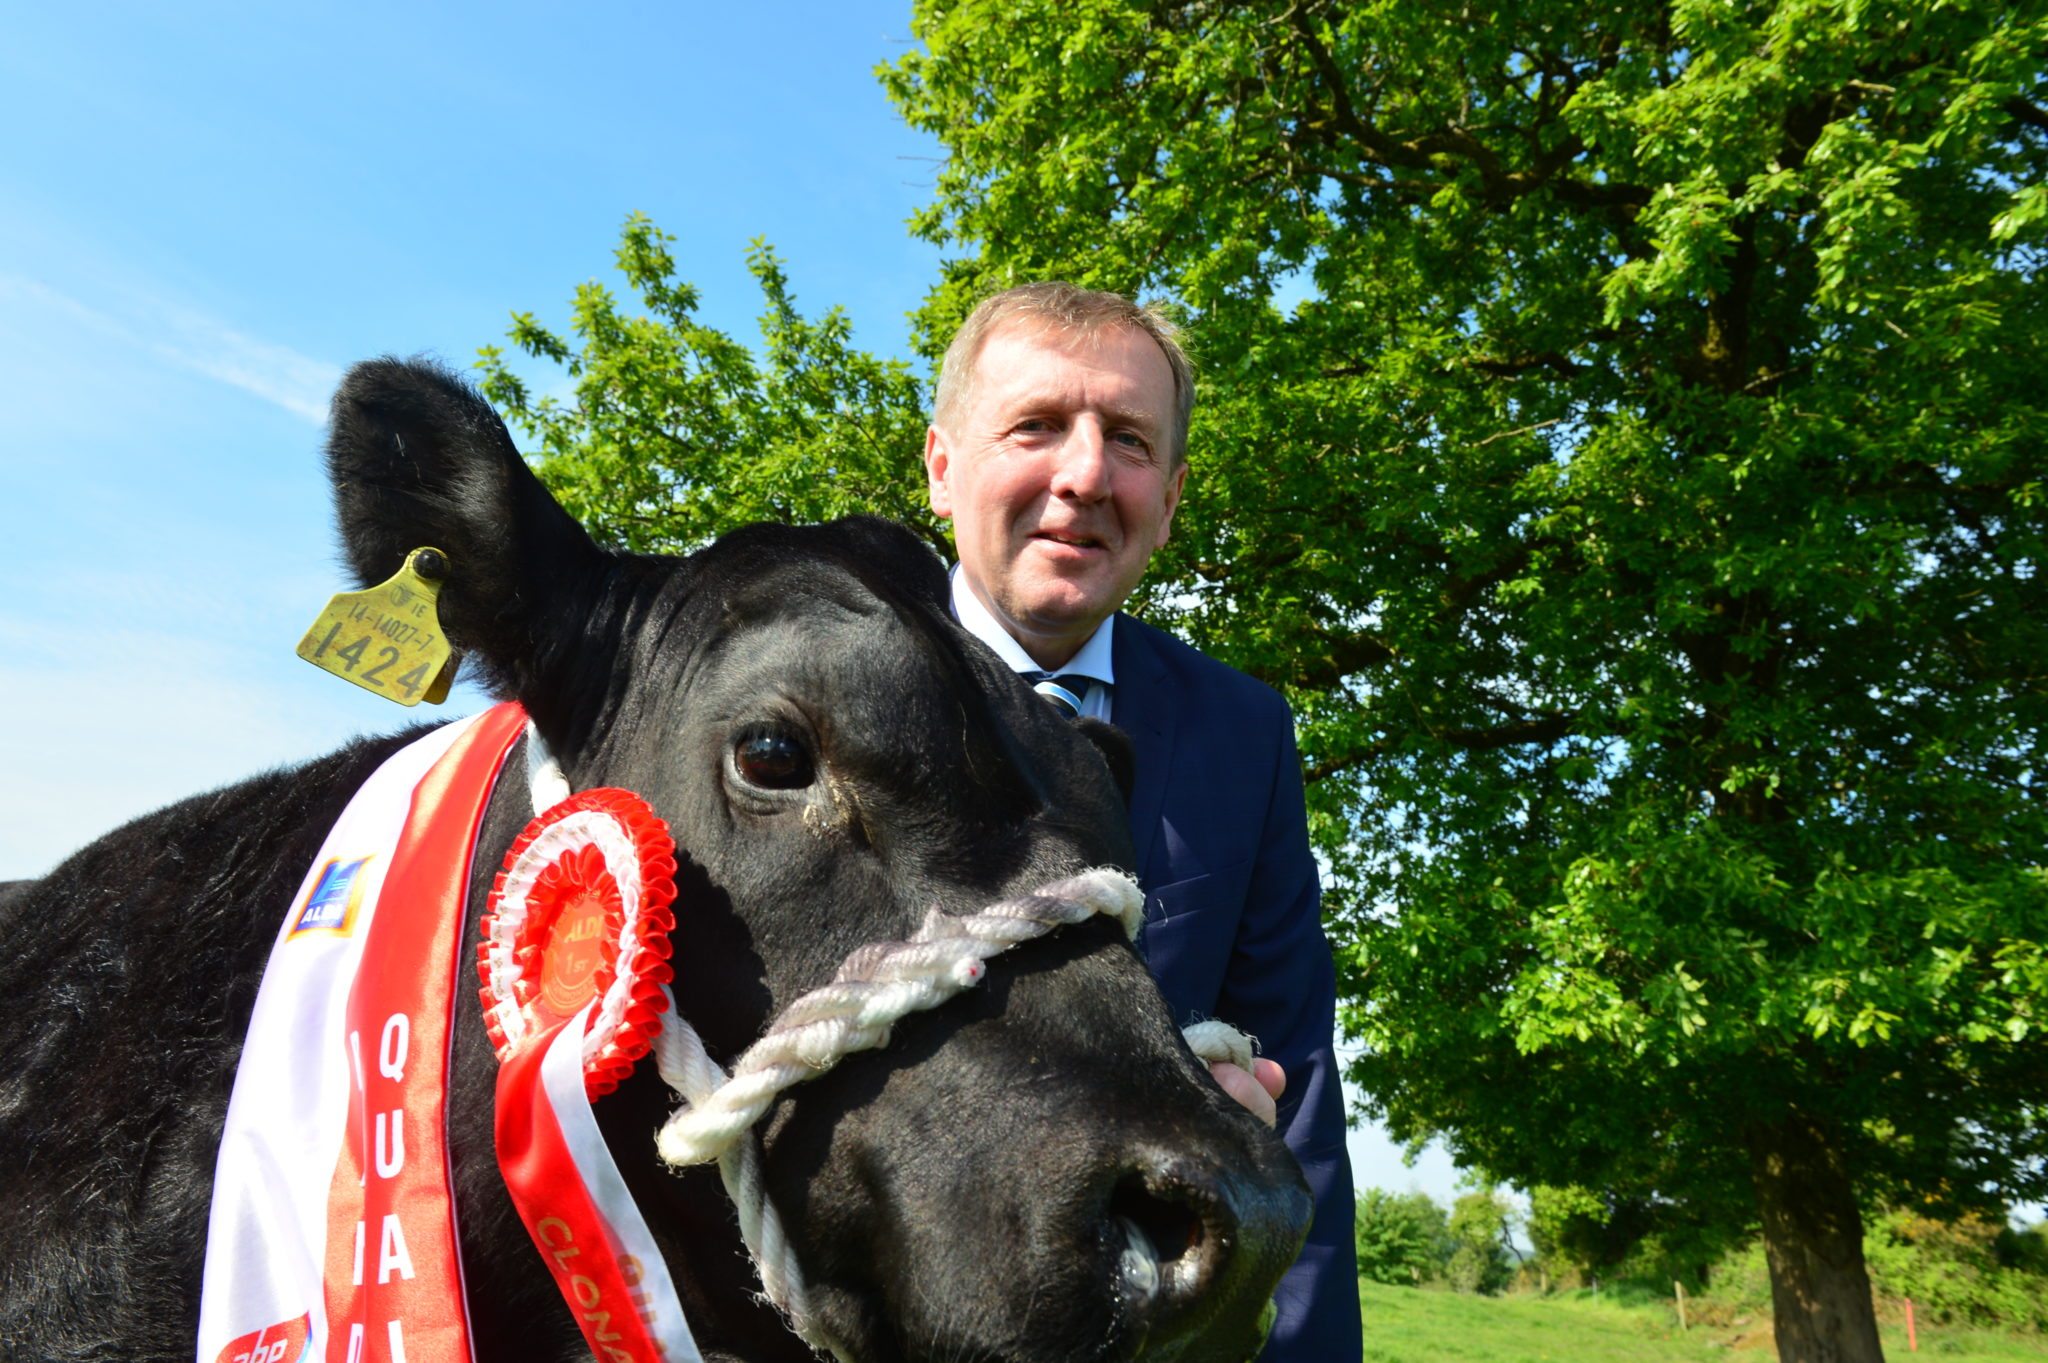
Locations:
(387, 638)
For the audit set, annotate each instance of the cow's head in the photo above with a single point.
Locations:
(1037, 1170)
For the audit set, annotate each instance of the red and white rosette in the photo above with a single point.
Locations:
(580, 914)
(575, 964)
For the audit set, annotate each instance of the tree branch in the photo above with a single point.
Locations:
(1322, 768)
(1333, 657)
(2026, 111)
(1540, 729)
(1519, 430)
(1498, 185)
(1513, 366)
(1519, 733)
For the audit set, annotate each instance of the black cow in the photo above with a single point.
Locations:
(965, 1193)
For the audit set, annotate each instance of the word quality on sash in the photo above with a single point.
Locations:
(332, 1231)
(332, 1234)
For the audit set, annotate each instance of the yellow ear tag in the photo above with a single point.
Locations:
(387, 638)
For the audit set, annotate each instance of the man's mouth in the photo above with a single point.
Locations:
(1068, 538)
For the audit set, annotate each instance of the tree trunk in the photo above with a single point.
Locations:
(1813, 1238)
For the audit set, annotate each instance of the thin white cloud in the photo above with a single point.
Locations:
(191, 340)
(275, 373)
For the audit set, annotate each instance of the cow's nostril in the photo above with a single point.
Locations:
(1168, 1244)
(1196, 1246)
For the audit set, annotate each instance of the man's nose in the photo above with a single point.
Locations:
(1081, 467)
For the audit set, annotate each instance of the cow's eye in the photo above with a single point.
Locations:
(773, 761)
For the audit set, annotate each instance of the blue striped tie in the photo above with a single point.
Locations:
(1067, 702)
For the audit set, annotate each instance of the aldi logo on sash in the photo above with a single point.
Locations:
(331, 904)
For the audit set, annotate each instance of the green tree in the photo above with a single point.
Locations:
(1481, 1229)
(1580, 1236)
(1623, 438)
(1968, 1269)
(675, 431)
(1569, 1228)
(1403, 1239)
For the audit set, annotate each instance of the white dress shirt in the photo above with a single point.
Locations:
(1092, 661)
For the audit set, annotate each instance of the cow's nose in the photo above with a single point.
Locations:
(1195, 1242)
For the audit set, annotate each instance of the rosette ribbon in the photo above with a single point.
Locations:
(574, 964)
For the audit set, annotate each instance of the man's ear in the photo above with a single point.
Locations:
(938, 467)
(1175, 481)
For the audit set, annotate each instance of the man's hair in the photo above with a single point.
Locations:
(1071, 311)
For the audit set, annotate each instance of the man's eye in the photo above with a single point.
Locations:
(773, 761)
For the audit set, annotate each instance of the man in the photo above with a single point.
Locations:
(1058, 450)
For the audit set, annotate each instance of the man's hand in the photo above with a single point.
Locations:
(1258, 1090)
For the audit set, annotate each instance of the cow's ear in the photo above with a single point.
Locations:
(418, 458)
(890, 550)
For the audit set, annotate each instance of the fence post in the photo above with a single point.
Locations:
(1679, 1288)
(1912, 1336)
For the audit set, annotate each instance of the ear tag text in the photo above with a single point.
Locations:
(387, 638)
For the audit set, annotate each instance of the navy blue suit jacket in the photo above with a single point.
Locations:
(1233, 929)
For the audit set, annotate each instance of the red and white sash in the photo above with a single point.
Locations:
(332, 1232)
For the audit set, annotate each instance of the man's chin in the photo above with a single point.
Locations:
(1066, 615)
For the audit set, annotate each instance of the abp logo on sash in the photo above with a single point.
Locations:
(284, 1342)
(331, 905)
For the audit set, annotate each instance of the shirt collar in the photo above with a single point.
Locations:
(1093, 659)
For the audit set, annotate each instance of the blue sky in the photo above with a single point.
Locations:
(207, 211)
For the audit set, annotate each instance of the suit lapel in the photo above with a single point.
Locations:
(1145, 707)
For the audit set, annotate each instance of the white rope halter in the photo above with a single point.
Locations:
(878, 985)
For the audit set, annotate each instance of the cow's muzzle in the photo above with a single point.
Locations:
(1195, 1243)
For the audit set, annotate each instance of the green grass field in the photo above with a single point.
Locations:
(1416, 1325)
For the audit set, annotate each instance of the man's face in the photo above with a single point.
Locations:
(1058, 474)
